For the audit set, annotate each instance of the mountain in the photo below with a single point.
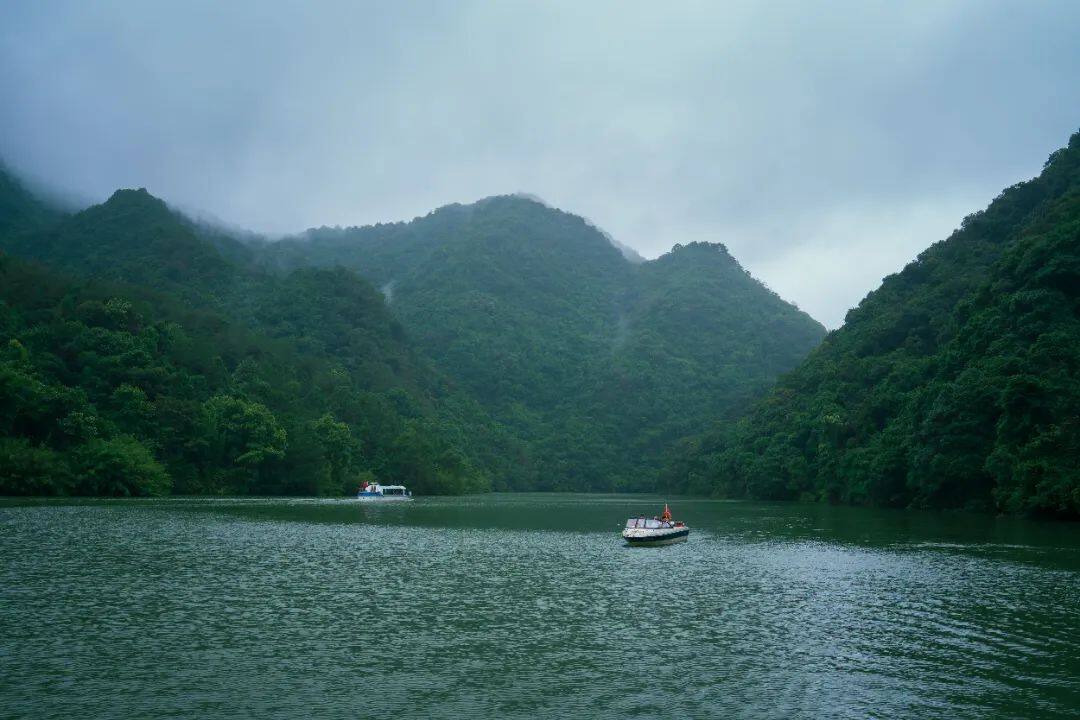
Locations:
(132, 237)
(953, 385)
(502, 343)
(594, 362)
(21, 210)
(143, 354)
(135, 239)
(698, 338)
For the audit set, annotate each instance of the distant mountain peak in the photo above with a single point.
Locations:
(952, 385)
(127, 197)
(701, 246)
(700, 252)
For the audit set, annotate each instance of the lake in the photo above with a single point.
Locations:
(522, 606)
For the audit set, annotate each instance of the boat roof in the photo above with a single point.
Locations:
(649, 523)
(391, 487)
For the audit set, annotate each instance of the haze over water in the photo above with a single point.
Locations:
(527, 606)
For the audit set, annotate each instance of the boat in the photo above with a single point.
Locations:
(651, 532)
(374, 492)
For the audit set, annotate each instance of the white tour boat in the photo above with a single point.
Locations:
(650, 532)
(374, 492)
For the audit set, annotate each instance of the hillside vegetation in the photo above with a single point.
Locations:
(954, 385)
(511, 346)
(593, 362)
(138, 359)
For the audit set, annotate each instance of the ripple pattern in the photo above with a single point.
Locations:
(525, 607)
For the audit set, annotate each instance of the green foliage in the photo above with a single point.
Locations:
(591, 365)
(538, 356)
(954, 385)
(28, 469)
(20, 211)
(233, 380)
(340, 453)
(120, 466)
(135, 238)
(242, 436)
(521, 350)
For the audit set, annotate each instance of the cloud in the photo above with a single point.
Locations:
(854, 246)
(800, 135)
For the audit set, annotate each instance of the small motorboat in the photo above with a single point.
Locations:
(651, 532)
(374, 492)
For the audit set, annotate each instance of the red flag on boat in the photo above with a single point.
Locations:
(667, 513)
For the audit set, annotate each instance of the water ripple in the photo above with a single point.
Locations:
(522, 607)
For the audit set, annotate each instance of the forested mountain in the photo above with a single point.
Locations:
(139, 358)
(698, 339)
(20, 210)
(507, 295)
(133, 237)
(594, 362)
(955, 384)
(520, 349)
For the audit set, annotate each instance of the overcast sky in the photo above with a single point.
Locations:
(825, 143)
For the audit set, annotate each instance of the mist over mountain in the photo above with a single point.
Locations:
(503, 343)
(596, 361)
(145, 354)
(954, 385)
(21, 210)
(458, 359)
(507, 344)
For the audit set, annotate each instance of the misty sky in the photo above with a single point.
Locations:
(825, 143)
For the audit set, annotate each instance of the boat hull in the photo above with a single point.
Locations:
(655, 538)
(383, 498)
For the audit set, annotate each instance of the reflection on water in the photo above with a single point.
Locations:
(527, 606)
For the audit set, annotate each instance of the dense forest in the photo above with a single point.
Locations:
(956, 384)
(595, 362)
(141, 360)
(511, 346)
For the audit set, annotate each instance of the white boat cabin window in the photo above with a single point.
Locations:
(646, 524)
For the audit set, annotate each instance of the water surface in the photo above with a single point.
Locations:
(521, 606)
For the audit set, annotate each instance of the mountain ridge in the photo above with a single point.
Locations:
(501, 292)
(324, 384)
(943, 383)
(556, 361)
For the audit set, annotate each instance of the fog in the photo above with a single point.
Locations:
(824, 144)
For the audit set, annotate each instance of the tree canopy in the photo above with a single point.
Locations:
(512, 346)
(593, 363)
(953, 385)
(137, 357)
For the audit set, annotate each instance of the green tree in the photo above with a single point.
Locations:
(120, 466)
(954, 385)
(242, 432)
(27, 469)
(339, 450)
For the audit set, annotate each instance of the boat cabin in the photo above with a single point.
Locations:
(384, 490)
(644, 523)
(647, 523)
